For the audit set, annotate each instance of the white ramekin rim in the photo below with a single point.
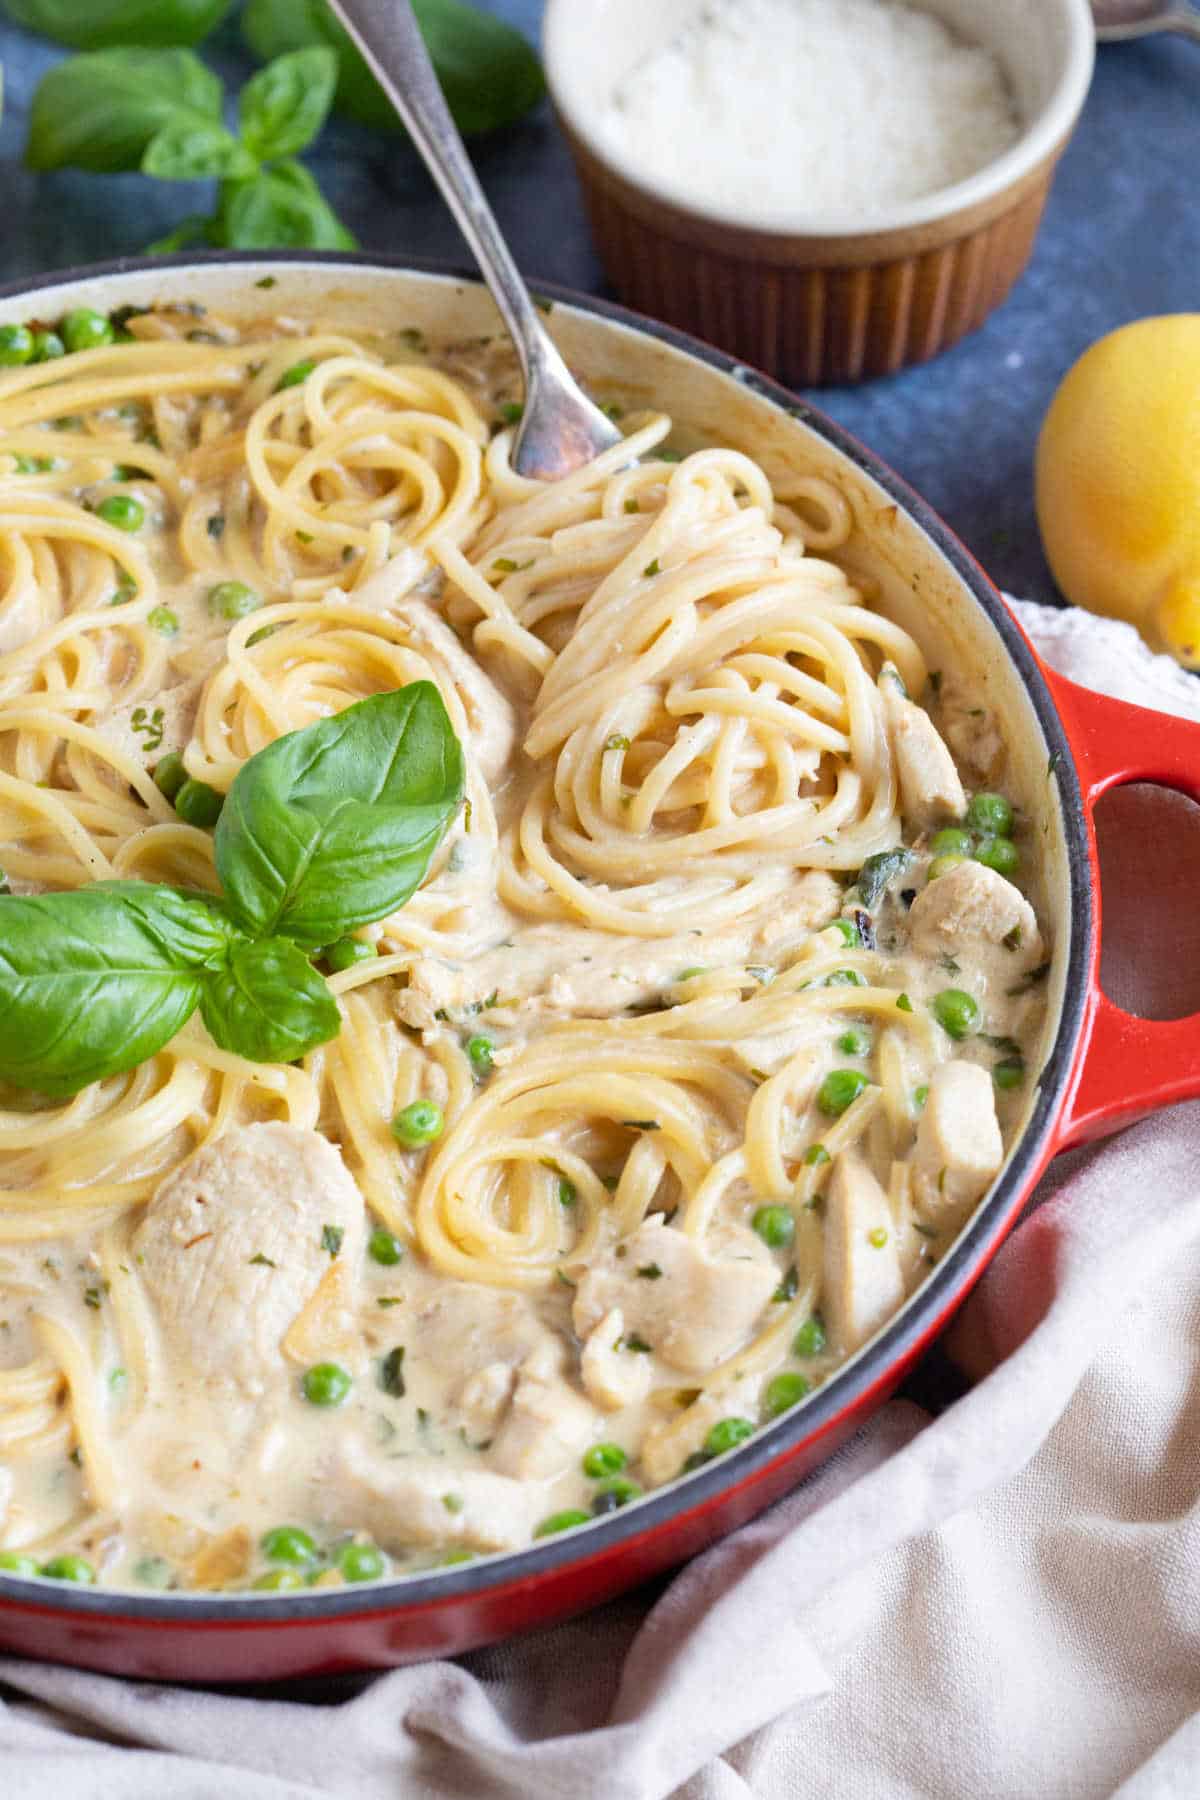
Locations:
(1045, 135)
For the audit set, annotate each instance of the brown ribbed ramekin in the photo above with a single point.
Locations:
(823, 303)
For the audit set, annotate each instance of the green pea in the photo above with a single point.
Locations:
(420, 1122)
(920, 1094)
(845, 978)
(1009, 1074)
(384, 1247)
(854, 1043)
(69, 1568)
(726, 1434)
(561, 1521)
(289, 1544)
(326, 1384)
(775, 1225)
(999, 853)
(232, 600)
(361, 1562)
(840, 1089)
(612, 1494)
(846, 929)
(479, 1055)
(164, 621)
(991, 814)
(47, 347)
(276, 1579)
(170, 774)
(810, 1339)
(604, 1459)
(198, 804)
(942, 865)
(784, 1392)
(954, 841)
(14, 1563)
(815, 1155)
(16, 345)
(956, 1012)
(84, 329)
(298, 373)
(123, 511)
(152, 1572)
(347, 952)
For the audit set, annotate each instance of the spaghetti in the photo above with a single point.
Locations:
(642, 989)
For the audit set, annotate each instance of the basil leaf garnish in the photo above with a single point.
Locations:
(94, 982)
(282, 108)
(102, 112)
(328, 828)
(268, 1003)
(332, 827)
(878, 871)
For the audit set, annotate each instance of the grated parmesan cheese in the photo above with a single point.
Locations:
(787, 109)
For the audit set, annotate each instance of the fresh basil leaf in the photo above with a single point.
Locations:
(283, 107)
(186, 150)
(94, 982)
(101, 112)
(332, 827)
(282, 208)
(192, 230)
(268, 1003)
(102, 24)
(489, 73)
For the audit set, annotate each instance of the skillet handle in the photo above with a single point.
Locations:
(1127, 1067)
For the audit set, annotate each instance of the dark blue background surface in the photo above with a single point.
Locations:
(1121, 239)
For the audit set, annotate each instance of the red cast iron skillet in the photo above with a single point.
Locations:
(1104, 1068)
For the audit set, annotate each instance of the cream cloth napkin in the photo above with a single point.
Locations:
(1000, 1602)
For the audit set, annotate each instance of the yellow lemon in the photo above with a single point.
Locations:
(1118, 481)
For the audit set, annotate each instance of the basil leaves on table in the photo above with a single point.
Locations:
(160, 111)
(103, 111)
(282, 108)
(99, 24)
(282, 208)
(139, 99)
(488, 72)
(329, 828)
(332, 827)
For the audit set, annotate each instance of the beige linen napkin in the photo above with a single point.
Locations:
(1003, 1602)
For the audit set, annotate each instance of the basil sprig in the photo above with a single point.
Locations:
(139, 99)
(97, 980)
(329, 828)
(332, 827)
(161, 111)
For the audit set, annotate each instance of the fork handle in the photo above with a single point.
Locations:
(387, 34)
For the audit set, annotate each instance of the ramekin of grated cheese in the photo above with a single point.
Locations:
(831, 189)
